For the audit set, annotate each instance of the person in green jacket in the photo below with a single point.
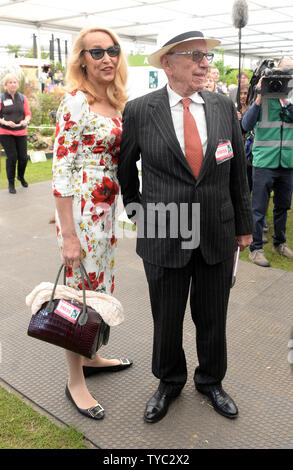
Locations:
(272, 119)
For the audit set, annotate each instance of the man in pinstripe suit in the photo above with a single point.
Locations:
(153, 130)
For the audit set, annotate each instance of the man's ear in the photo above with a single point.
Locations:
(165, 62)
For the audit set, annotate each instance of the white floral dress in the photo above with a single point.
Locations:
(85, 162)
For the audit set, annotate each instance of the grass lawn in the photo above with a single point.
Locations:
(276, 261)
(24, 428)
(35, 173)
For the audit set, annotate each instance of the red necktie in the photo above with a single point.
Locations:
(192, 142)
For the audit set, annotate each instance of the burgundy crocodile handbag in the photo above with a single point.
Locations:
(69, 324)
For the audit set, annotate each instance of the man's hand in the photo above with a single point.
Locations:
(244, 241)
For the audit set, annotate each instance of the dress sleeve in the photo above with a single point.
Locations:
(70, 122)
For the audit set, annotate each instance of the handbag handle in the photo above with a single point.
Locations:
(83, 317)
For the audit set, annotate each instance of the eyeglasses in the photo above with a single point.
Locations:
(98, 53)
(197, 56)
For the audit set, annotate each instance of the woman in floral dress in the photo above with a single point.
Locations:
(85, 185)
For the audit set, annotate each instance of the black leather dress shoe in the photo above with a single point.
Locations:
(221, 401)
(157, 406)
(11, 189)
(23, 182)
(95, 412)
(124, 363)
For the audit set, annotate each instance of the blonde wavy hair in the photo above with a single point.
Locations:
(76, 77)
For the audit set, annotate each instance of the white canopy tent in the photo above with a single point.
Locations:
(139, 23)
(269, 30)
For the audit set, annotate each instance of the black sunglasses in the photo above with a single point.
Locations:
(197, 56)
(98, 53)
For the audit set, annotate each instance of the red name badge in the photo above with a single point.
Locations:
(67, 310)
(224, 152)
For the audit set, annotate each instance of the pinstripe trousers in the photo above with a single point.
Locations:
(209, 287)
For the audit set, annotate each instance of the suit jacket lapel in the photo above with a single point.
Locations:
(162, 118)
(212, 120)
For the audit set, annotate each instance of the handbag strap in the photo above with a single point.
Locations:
(50, 306)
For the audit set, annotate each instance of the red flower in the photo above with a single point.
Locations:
(116, 121)
(61, 151)
(66, 116)
(88, 245)
(69, 271)
(73, 147)
(84, 180)
(57, 129)
(69, 124)
(73, 93)
(101, 277)
(99, 149)
(112, 240)
(105, 192)
(102, 162)
(61, 140)
(56, 193)
(83, 202)
(117, 132)
(92, 276)
(88, 139)
(58, 230)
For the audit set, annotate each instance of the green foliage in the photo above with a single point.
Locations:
(30, 53)
(227, 73)
(43, 108)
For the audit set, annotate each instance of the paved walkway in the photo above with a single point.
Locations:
(259, 375)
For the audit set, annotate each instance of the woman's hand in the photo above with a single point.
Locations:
(72, 252)
(10, 124)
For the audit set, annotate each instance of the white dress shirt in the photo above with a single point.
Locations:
(197, 110)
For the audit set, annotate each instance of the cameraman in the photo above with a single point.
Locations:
(272, 163)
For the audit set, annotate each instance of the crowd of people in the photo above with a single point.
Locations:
(269, 166)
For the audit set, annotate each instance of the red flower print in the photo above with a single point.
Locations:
(117, 132)
(101, 277)
(88, 139)
(88, 245)
(73, 147)
(61, 151)
(73, 93)
(57, 129)
(99, 149)
(83, 202)
(58, 229)
(105, 192)
(112, 240)
(102, 162)
(61, 140)
(84, 177)
(116, 121)
(92, 276)
(56, 193)
(66, 116)
(69, 271)
(69, 124)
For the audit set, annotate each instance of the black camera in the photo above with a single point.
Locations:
(277, 81)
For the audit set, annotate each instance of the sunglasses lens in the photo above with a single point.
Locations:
(113, 51)
(97, 53)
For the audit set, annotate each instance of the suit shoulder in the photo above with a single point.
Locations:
(144, 99)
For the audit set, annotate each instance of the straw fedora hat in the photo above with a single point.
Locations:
(154, 58)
